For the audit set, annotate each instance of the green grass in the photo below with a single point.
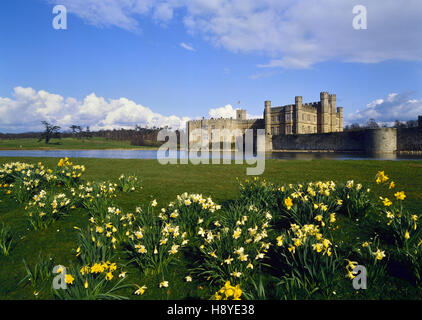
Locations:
(164, 183)
(66, 144)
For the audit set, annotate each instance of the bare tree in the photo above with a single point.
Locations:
(372, 124)
(399, 124)
(50, 132)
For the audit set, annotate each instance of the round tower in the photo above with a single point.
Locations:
(381, 140)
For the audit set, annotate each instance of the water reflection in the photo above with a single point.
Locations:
(152, 154)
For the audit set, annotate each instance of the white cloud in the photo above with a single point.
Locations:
(228, 112)
(290, 33)
(387, 110)
(163, 12)
(25, 111)
(187, 47)
(223, 112)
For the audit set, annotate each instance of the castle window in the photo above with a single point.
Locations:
(303, 116)
(309, 117)
(289, 129)
(272, 119)
(272, 130)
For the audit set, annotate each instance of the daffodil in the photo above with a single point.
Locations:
(400, 195)
(237, 233)
(109, 276)
(386, 202)
(141, 290)
(280, 240)
(379, 254)
(288, 203)
(69, 279)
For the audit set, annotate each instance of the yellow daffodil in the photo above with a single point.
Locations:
(379, 254)
(400, 195)
(69, 279)
(141, 290)
(288, 203)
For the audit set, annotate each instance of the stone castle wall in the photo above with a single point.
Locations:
(333, 141)
(382, 140)
(409, 139)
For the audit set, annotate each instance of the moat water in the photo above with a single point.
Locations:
(152, 154)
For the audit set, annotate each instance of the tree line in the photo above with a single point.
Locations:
(372, 124)
(139, 136)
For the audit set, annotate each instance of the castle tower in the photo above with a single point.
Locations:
(324, 113)
(298, 114)
(267, 117)
(240, 114)
(333, 113)
(340, 118)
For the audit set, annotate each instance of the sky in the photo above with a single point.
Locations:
(120, 63)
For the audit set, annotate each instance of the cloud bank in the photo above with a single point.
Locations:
(290, 33)
(29, 107)
(388, 109)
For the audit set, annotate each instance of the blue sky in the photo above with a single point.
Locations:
(122, 62)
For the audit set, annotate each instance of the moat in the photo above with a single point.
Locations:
(152, 154)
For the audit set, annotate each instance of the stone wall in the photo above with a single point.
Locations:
(365, 141)
(409, 139)
(334, 141)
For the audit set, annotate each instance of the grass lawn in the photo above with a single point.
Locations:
(66, 144)
(163, 183)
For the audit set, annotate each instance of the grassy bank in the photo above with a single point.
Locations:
(164, 183)
(95, 143)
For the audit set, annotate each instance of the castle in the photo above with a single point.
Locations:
(299, 118)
